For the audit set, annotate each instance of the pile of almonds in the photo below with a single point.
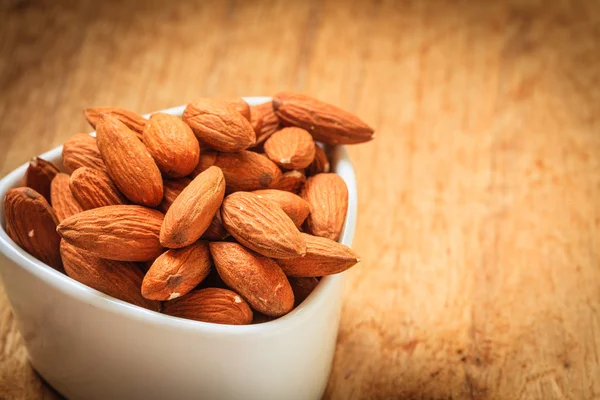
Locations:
(228, 214)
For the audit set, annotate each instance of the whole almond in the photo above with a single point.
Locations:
(132, 120)
(291, 181)
(176, 272)
(39, 176)
(245, 171)
(172, 189)
(81, 150)
(261, 225)
(259, 280)
(325, 122)
(218, 125)
(323, 257)
(327, 196)
(63, 202)
(31, 223)
(119, 279)
(193, 210)
(93, 188)
(264, 121)
(302, 288)
(122, 233)
(320, 164)
(291, 148)
(240, 106)
(215, 305)
(128, 162)
(293, 205)
(172, 144)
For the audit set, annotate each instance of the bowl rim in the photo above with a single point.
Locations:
(92, 297)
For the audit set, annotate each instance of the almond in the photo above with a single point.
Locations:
(291, 181)
(176, 272)
(325, 122)
(259, 280)
(31, 223)
(128, 162)
(294, 206)
(291, 148)
(302, 288)
(240, 106)
(218, 306)
(218, 125)
(327, 196)
(245, 171)
(264, 121)
(193, 210)
(216, 230)
(320, 164)
(119, 279)
(132, 120)
(63, 202)
(172, 144)
(261, 225)
(93, 188)
(81, 150)
(207, 159)
(39, 176)
(323, 257)
(172, 189)
(122, 233)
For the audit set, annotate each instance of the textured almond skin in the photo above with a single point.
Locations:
(172, 144)
(291, 148)
(176, 272)
(128, 162)
(193, 210)
(261, 225)
(264, 121)
(302, 288)
(293, 205)
(93, 188)
(327, 196)
(325, 122)
(291, 181)
(259, 280)
(119, 279)
(31, 223)
(218, 125)
(323, 257)
(39, 176)
(121, 233)
(207, 159)
(63, 202)
(245, 171)
(219, 306)
(320, 163)
(172, 189)
(240, 106)
(81, 150)
(133, 121)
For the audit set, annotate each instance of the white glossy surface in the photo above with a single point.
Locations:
(91, 346)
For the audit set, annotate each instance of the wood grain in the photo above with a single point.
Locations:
(479, 200)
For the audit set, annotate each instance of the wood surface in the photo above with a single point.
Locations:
(479, 200)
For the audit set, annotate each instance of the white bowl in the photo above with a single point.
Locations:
(91, 346)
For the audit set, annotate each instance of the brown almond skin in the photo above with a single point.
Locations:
(327, 196)
(293, 205)
(172, 189)
(193, 210)
(323, 257)
(320, 163)
(290, 181)
(218, 125)
(172, 144)
(207, 159)
(215, 305)
(302, 288)
(325, 122)
(216, 230)
(128, 162)
(119, 279)
(176, 272)
(121, 233)
(31, 223)
(39, 176)
(261, 225)
(291, 148)
(63, 202)
(259, 280)
(264, 121)
(81, 150)
(240, 106)
(133, 121)
(93, 188)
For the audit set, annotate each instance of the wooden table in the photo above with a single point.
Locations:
(479, 220)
